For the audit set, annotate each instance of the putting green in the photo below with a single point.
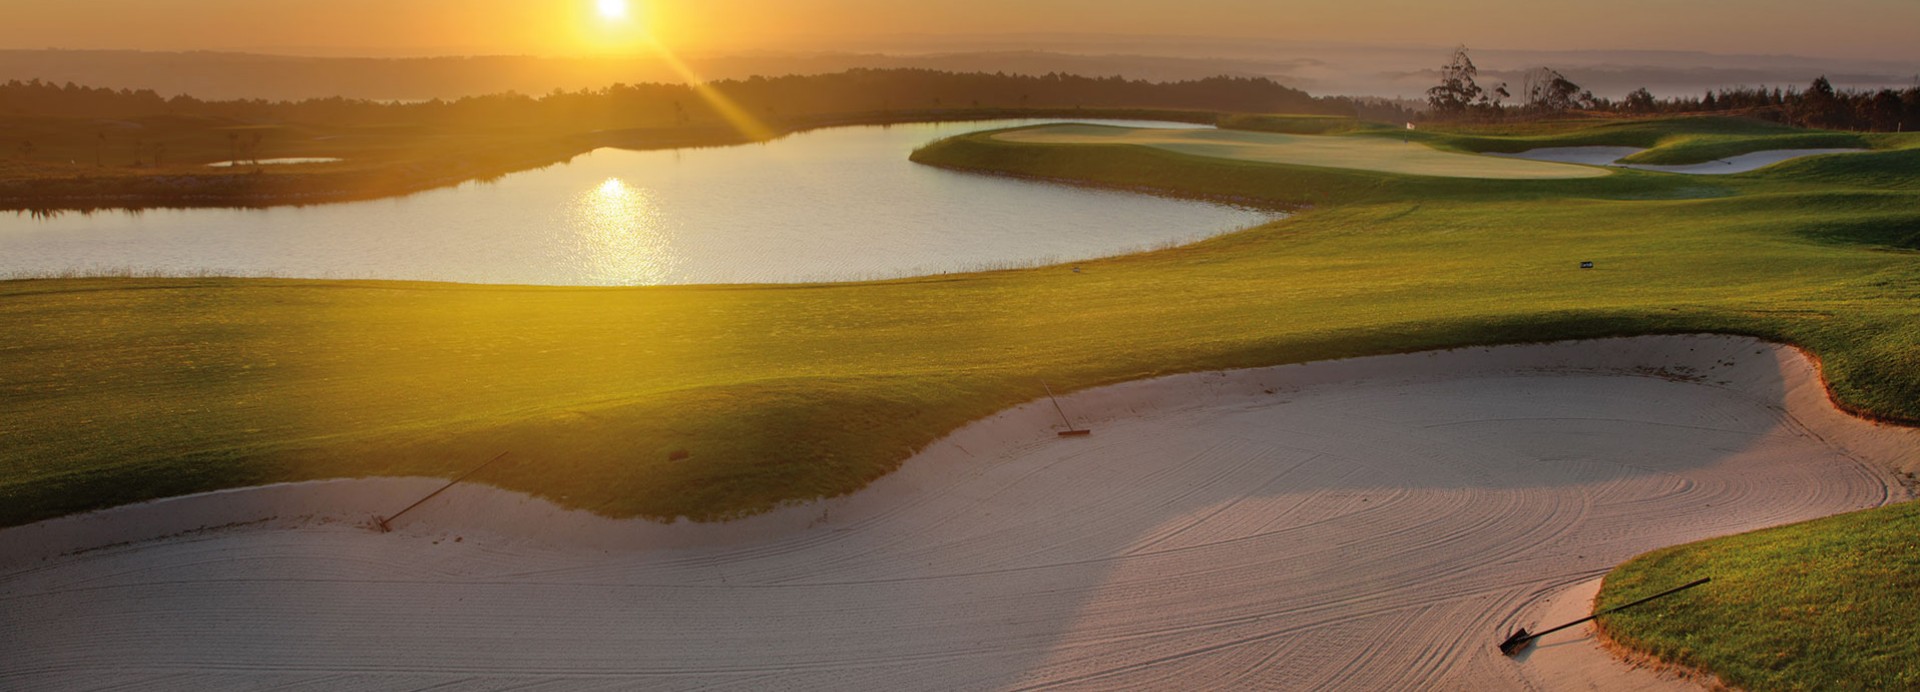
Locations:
(1364, 153)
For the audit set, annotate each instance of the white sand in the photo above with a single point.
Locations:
(1574, 659)
(1609, 156)
(1374, 523)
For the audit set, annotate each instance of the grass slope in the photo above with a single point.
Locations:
(119, 390)
(1675, 141)
(1362, 153)
(1823, 605)
(1666, 141)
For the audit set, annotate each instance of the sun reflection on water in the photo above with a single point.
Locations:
(619, 236)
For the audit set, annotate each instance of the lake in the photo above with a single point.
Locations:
(837, 204)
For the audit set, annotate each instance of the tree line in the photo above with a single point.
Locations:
(668, 105)
(1546, 93)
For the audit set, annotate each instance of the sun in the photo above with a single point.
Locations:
(610, 27)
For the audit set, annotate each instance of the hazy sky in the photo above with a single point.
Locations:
(1873, 29)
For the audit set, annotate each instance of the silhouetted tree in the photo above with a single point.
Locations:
(1459, 93)
(1817, 105)
(1547, 91)
(1884, 111)
(1458, 89)
(1640, 101)
(1909, 108)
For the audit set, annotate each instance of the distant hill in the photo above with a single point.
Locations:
(1322, 69)
(805, 99)
(224, 76)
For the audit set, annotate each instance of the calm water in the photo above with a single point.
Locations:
(838, 204)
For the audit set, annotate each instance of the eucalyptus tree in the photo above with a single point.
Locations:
(1459, 92)
(1548, 91)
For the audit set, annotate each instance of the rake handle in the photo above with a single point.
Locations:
(1056, 406)
(1625, 606)
(396, 515)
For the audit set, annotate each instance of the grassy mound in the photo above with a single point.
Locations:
(1673, 141)
(1823, 605)
(1352, 153)
(1298, 124)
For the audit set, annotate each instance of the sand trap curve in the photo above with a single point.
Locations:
(1363, 524)
(1609, 156)
(1363, 153)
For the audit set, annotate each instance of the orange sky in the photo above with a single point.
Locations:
(1834, 28)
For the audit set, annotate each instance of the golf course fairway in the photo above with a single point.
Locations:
(716, 402)
(1362, 153)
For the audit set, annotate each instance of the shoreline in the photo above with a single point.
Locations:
(266, 187)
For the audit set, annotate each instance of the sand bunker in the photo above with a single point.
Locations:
(1364, 153)
(1609, 156)
(1374, 523)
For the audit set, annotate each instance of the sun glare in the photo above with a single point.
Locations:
(619, 237)
(611, 27)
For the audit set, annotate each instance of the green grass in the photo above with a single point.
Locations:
(1691, 149)
(1671, 141)
(1299, 124)
(120, 390)
(1356, 153)
(1823, 605)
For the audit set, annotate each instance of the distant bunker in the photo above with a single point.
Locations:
(1363, 153)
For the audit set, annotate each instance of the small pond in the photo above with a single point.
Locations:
(837, 204)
